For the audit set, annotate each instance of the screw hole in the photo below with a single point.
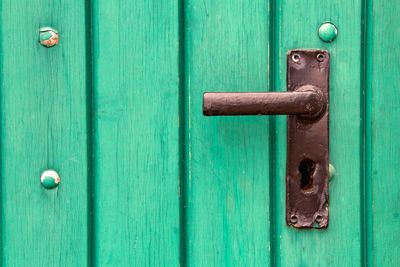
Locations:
(320, 57)
(293, 219)
(318, 218)
(306, 169)
(296, 57)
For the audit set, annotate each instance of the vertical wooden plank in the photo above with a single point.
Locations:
(227, 158)
(384, 98)
(43, 125)
(340, 244)
(136, 76)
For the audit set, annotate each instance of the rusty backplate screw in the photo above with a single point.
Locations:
(318, 218)
(48, 37)
(293, 219)
(320, 57)
(50, 179)
(295, 57)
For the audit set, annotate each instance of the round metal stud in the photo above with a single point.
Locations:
(327, 32)
(50, 179)
(48, 37)
(332, 171)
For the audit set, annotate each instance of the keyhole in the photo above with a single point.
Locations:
(306, 169)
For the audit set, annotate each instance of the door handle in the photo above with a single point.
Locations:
(306, 101)
(307, 104)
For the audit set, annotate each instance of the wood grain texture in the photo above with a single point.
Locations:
(228, 158)
(172, 187)
(136, 78)
(383, 102)
(297, 26)
(43, 125)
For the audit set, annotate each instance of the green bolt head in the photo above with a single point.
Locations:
(48, 37)
(331, 171)
(327, 32)
(50, 179)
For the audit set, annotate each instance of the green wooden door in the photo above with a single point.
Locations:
(146, 180)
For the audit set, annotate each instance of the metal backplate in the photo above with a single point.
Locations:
(307, 170)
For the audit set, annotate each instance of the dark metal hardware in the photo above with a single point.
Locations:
(302, 102)
(307, 104)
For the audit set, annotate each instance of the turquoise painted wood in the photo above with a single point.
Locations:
(227, 159)
(382, 115)
(146, 180)
(44, 126)
(136, 84)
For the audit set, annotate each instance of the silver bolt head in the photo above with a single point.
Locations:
(50, 179)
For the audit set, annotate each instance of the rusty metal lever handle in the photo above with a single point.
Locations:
(306, 101)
